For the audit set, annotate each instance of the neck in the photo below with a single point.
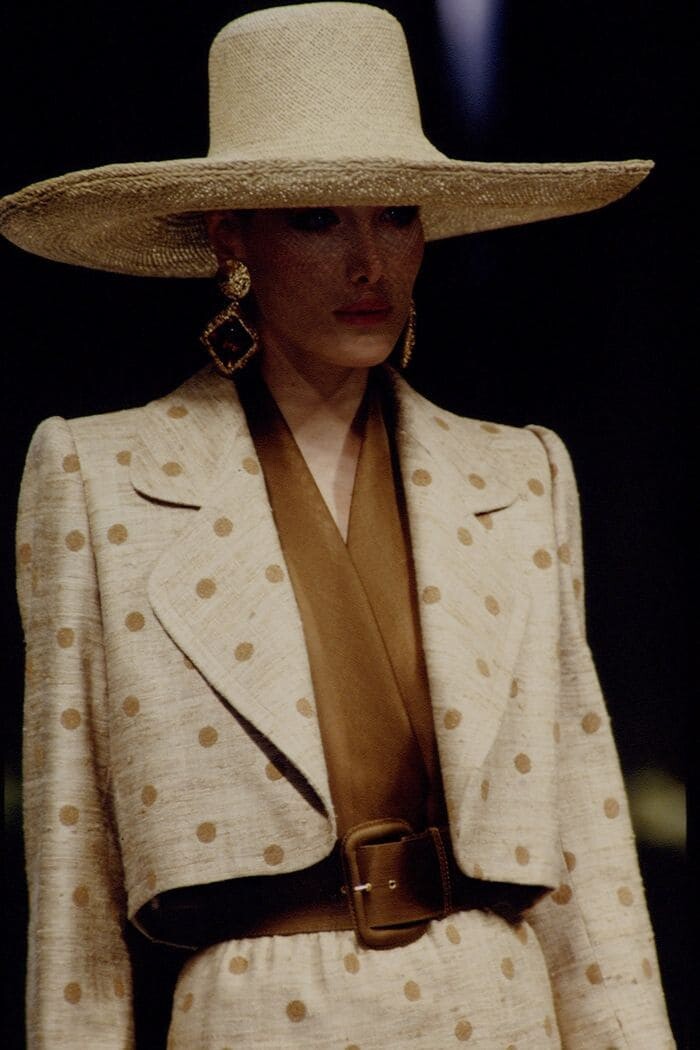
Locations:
(318, 400)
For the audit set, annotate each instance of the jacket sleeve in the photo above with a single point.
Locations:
(79, 983)
(594, 929)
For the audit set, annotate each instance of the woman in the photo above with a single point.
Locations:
(308, 689)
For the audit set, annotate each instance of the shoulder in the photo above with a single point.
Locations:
(519, 456)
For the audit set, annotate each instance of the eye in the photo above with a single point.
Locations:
(313, 220)
(401, 217)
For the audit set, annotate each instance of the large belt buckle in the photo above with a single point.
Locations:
(369, 833)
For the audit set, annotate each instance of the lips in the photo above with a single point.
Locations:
(365, 310)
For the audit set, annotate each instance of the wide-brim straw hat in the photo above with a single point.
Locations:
(310, 105)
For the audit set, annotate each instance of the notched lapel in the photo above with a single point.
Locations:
(222, 591)
(459, 485)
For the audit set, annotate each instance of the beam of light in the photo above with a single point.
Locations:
(470, 31)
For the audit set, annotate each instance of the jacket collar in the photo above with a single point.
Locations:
(194, 449)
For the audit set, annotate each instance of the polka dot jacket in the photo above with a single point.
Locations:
(168, 688)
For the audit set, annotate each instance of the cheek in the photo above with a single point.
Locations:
(294, 278)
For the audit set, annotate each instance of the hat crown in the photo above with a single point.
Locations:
(314, 80)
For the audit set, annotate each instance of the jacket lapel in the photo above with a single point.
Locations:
(223, 594)
(458, 475)
(222, 591)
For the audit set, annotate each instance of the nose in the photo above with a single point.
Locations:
(365, 263)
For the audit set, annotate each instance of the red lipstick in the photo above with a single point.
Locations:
(366, 310)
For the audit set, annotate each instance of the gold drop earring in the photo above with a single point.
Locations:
(230, 338)
(409, 338)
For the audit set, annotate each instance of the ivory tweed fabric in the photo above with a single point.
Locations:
(168, 686)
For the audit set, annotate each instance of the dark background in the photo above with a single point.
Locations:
(576, 324)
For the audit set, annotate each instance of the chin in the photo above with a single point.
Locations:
(363, 353)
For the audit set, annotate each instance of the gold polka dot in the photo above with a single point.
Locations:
(117, 533)
(69, 815)
(131, 706)
(119, 989)
(274, 573)
(478, 871)
(431, 595)
(172, 469)
(250, 465)
(177, 411)
(514, 688)
(186, 1003)
(75, 540)
(351, 962)
(24, 553)
(296, 1010)
(206, 831)
(81, 896)
(304, 707)
(151, 880)
(625, 896)
(578, 587)
(72, 993)
(611, 808)
(412, 991)
(124, 458)
(70, 718)
(148, 795)
(647, 968)
(223, 526)
(485, 520)
(520, 932)
(522, 855)
(542, 559)
(485, 788)
(71, 464)
(243, 651)
(421, 477)
(442, 423)
(556, 732)
(590, 723)
(548, 1027)
(272, 772)
(206, 588)
(535, 486)
(593, 973)
(452, 718)
(452, 933)
(352, 1046)
(564, 553)
(207, 736)
(238, 964)
(463, 1030)
(483, 668)
(563, 895)
(522, 763)
(134, 621)
(569, 860)
(508, 968)
(490, 428)
(273, 855)
(477, 481)
(492, 605)
(65, 637)
(465, 537)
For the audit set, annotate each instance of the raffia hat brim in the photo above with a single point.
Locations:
(146, 219)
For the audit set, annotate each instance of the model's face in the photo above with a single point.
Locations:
(329, 284)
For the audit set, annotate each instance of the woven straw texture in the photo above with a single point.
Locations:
(310, 105)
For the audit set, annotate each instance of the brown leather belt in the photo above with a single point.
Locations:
(383, 880)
